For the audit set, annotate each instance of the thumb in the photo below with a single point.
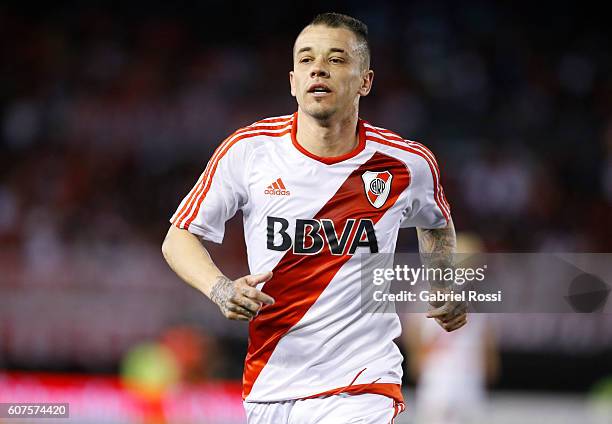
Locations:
(253, 280)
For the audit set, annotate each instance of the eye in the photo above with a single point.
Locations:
(336, 60)
(305, 59)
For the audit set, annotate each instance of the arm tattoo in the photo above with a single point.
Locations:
(437, 247)
(221, 292)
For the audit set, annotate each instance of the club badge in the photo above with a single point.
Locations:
(377, 186)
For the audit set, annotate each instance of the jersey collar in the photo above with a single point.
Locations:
(329, 160)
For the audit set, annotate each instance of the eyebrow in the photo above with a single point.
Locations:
(333, 49)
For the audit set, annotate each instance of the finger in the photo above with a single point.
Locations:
(452, 324)
(448, 311)
(459, 309)
(260, 296)
(247, 303)
(447, 326)
(232, 307)
(256, 295)
(253, 280)
(237, 317)
(458, 326)
(456, 320)
(448, 318)
(440, 312)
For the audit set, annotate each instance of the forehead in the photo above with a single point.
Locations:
(324, 38)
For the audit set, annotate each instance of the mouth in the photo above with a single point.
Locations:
(319, 90)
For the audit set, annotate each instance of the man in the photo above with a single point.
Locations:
(316, 188)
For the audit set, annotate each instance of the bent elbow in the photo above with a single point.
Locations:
(166, 247)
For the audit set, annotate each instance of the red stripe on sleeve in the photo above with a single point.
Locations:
(220, 151)
(206, 184)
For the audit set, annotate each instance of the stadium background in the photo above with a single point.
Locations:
(108, 114)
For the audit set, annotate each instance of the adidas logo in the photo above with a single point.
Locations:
(277, 188)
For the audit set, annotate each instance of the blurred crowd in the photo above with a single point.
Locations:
(107, 118)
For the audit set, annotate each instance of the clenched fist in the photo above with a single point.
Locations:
(450, 315)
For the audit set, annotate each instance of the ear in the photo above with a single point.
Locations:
(367, 80)
(292, 83)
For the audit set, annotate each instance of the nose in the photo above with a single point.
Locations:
(319, 70)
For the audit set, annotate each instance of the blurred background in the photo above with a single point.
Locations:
(109, 113)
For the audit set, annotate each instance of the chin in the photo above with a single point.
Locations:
(320, 113)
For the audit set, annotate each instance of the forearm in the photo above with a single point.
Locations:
(437, 250)
(437, 246)
(238, 299)
(190, 260)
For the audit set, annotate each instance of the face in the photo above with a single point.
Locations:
(328, 74)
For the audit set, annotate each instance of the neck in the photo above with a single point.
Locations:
(328, 138)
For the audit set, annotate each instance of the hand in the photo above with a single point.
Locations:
(239, 299)
(450, 315)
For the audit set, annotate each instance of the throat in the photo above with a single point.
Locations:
(327, 139)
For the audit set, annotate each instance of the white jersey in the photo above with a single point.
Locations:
(305, 218)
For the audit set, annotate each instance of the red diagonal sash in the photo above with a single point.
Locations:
(299, 280)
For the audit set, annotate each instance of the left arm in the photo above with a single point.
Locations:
(437, 247)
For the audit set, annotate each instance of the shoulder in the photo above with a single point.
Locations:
(246, 138)
(276, 126)
(391, 143)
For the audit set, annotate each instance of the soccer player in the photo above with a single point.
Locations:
(316, 188)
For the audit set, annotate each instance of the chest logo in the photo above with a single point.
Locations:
(277, 188)
(377, 186)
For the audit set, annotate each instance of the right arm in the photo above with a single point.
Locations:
(238, 299)
(214, 199)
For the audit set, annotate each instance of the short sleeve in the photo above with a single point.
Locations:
(427, 206)
(217, 195)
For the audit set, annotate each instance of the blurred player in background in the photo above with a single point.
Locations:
(452, 369)
(315, 188)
